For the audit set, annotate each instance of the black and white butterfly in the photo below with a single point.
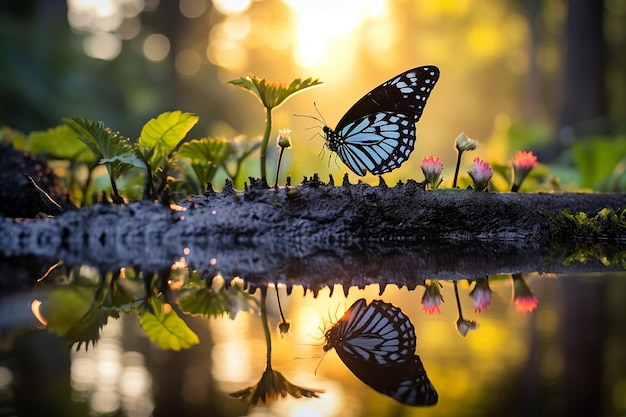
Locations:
(377, 343)
(377, 134)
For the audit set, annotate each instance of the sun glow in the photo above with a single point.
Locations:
(320, 24)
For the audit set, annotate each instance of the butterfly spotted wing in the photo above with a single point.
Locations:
(379, 333)
(377, 343)
(377, 134)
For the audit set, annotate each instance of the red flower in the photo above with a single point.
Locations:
(523, 162)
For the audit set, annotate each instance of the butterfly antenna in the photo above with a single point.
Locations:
(320, 114)
(319, 119)
(320, 362)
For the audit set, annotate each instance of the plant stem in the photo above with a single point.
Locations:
(280, 158)
(456, 171)
(458, 300)
(280, 308)
(266, 328)
(266, 140)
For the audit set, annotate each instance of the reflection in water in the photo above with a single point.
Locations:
(110, 379)
(272, 384)
(462, 325)
(111, 376)
(377, 343)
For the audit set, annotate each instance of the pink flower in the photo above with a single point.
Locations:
(481, 173)
(523, 162)
(431, 300)
(432, 167)
(481, 295)
(524, 299)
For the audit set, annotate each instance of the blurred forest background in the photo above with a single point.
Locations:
(541, 75)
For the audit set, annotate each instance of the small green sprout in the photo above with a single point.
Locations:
(272, 95)
(109, 148)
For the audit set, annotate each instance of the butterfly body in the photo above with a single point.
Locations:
(377, 134)
(377, 343)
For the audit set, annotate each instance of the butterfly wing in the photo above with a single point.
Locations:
(378, 332)
(377, 343)
(406, 382)
(377, 134)
(405, 93)
(378, 143)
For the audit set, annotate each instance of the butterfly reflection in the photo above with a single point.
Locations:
(377, 134)
(377, 343)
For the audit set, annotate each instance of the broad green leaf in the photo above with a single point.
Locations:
(163, 326)
(205, 156)
(209, 150)
(596, 158)
(166, 131)
(61, 142)
(16, 138)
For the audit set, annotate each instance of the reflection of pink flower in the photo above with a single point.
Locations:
(481, 295)
(481, 173)
(524, 299)
(523, 162)
(432, 167)
(431, 300)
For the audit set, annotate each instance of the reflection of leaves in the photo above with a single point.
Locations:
(74, 314)
(163, 326)
(205, 303)
(217, 300)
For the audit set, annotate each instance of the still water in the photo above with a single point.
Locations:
(515, 345)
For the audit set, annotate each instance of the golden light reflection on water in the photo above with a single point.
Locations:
(236, 353)
(110, 379)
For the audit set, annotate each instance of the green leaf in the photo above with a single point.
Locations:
(163, 326)
(270, 93)
(166, 131)
(596, 158)
(14, 137)
(207, 150)
(205, 157)
(60, 142)
(103, 143)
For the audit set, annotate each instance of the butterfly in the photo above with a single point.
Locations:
(377, 134)
(377, 343)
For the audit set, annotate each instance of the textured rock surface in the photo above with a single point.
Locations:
(315, 232)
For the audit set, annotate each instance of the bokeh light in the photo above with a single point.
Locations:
(156, 47)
